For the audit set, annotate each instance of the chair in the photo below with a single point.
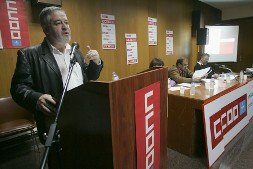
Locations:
(15, 120)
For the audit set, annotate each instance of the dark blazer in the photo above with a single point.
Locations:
(180, 77)
(37, 73)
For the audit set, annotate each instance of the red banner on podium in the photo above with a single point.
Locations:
(147, 116)
(13, 24)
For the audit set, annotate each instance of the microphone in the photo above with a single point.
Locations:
(219, 65)
(223, 67)
(226, 68)
(74, 47)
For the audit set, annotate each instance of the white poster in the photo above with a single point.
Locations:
(131, 48)
(152, 31)
(169, 42)
(225, 117)
(108, 31)
(1, 41)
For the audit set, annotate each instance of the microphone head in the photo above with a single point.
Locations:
(74, 47)
(75, 44)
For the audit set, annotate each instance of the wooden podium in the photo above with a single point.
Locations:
(97, 123)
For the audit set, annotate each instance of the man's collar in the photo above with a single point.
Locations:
(54, 49)
(200, 63)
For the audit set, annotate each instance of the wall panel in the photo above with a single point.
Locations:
(131, 17)
(175, 16)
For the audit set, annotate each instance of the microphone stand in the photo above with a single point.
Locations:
(54, 136)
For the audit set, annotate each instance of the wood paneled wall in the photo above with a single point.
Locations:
(131, 17)
(209, 16)
(175, 16)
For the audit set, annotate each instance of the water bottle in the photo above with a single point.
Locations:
(192, 89)
(228, 79)
(212, 84)
(241, 76)
(114, 76)
(182, 90)
(222, 77)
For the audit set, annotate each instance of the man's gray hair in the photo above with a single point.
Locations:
(46, 12)
(204, 54)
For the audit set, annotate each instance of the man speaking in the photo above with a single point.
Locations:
(41, 70)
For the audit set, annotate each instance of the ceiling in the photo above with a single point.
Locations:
(232, 9)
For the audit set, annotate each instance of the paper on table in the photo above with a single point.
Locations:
(209, 80)
(200, 73)
(175, 88)
(185, 84)
(188, 84)
(232, 77)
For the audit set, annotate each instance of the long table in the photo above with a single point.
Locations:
(185, 117)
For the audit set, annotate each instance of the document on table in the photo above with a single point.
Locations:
(175, 88)
(188, 84)
(184, 84)
(201, 73)
(224, 77)
(232, 77)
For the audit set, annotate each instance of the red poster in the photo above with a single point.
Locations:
(13, 24)
(147, 116)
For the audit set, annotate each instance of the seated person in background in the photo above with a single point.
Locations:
(156, 63)
(203, 63)
(180, 73)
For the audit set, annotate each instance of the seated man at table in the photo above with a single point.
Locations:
(203, 63)
(180, 73)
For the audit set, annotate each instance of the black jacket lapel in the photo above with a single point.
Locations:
(48, 57)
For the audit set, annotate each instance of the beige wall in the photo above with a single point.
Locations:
(131, 17)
